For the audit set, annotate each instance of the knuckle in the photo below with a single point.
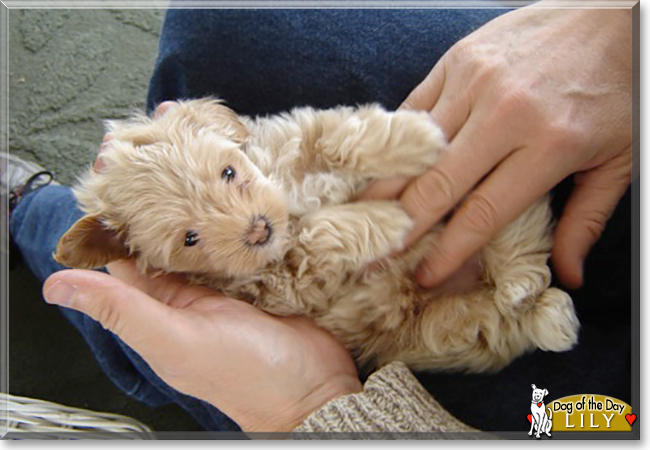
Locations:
(440, 257)
(562, 136)
(466, 51)
(436, 182)
(594, 222)
(409, 103)
(516, 102)
(480, 214)
(108, 316)
(594, 227)
(481, 64)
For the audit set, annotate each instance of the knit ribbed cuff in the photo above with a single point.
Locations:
(392, 401)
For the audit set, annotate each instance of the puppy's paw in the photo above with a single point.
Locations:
(354, 234)
(554, 322)
(393, 225)
(417, 142)
(515, 296)
(512, 297)
(517, 291)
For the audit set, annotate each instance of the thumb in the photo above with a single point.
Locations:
(140, 321)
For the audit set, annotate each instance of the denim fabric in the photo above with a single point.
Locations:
(36, 225)
(265, 61)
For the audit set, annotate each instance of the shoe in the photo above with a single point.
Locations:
(17, 179)
(20, 177)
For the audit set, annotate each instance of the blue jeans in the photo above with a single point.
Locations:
(267, 61)
(36, 225)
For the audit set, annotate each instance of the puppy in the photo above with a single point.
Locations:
(540, 420)
(261, 209)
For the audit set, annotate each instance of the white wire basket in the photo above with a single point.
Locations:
(26, 418)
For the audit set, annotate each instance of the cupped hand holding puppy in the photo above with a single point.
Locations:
(525, 101)
(266, 373)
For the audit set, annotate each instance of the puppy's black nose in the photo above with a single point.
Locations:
(259, 232)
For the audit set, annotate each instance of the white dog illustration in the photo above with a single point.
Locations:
(539, 419)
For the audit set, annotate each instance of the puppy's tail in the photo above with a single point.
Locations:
(550, 412)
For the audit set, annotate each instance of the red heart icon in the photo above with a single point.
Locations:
(530, 417)
(630, 418)
(539, 404)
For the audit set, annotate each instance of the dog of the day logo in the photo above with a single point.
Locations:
(582, 412)
(541, 417)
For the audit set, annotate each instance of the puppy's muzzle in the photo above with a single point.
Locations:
(259, 232)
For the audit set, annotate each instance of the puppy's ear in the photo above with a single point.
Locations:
(545, 392)
(89, 244)
(533, 386)
(138, 130)
(220, 118)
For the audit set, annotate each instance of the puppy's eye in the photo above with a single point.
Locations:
(228, 174)
(191, 238)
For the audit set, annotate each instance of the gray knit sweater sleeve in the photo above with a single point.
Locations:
(392, 401)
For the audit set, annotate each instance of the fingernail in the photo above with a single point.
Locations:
(99, 164)
(60, 293)
(162, 108)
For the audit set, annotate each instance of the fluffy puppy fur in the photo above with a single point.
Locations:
(262, 210)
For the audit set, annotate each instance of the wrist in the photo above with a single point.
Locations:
(289, 417)
(392, 401)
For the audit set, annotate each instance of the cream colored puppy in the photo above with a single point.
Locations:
(261, 210)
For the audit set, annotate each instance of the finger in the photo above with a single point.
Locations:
(474, 152)
(107, 138)
(162, 108)
(170, 289)
(99, 163)
(452, 111)
(427, 93)
(142, 322)
(583, 220)
(513, 186)
(385, 189)
(449, 104)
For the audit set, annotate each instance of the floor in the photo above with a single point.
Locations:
(68, 71)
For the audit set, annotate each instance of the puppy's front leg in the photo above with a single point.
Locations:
(344, 238)
(376, 143)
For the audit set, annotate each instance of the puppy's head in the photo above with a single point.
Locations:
(179, 194)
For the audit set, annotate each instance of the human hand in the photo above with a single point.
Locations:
(267, 373)
(525, 101)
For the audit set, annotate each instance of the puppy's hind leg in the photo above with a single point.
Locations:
(515, 261)
(551, 323)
